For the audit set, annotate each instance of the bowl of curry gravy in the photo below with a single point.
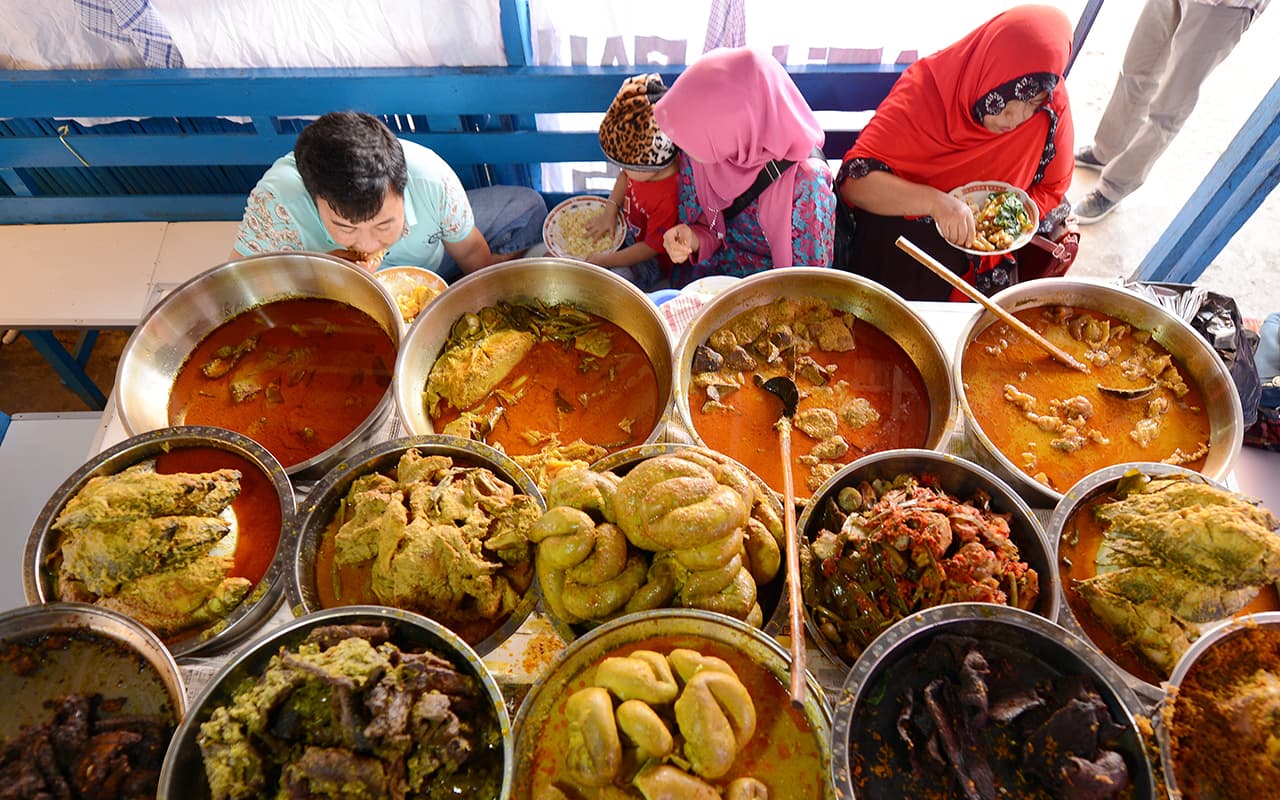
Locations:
(552, 360)
(871, 374)
(1155, 390)
(294, 350)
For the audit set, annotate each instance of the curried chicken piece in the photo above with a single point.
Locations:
(446, 540)
(140, 491)
(192, 594)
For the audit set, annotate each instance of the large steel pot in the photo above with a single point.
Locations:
(551, 280)
(183, 773)
(662, 631)
(863, 298)
(869, 758)
(958, 477)
(40, 575)
(1200, 363)
(163, 340)
(325, 498)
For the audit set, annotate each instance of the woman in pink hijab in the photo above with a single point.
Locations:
(736, 115)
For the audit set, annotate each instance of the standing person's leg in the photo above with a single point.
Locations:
(1144, 63)
(510, 217)
(1203, 39)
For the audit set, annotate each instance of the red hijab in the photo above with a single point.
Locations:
(732, 111)
(926, 131)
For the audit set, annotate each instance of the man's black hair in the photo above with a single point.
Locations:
(352, 160)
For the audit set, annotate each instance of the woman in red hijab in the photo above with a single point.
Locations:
(992, 106)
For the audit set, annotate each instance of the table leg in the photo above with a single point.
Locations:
(69, 368)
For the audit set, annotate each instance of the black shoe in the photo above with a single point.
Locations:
(1094, 207)
(1085, 158)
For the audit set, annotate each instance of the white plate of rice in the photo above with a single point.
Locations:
(565, 229)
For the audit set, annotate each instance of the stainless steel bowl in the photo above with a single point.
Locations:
(322, 502)
(866, 723)
(103, 653)
(699, 630)
(960, 478)
(867, 300)
(183, 772)
(165, 338)
(552, 280)
(265, 596)
(1200, 363)
(1219, 636)
(1085, 490)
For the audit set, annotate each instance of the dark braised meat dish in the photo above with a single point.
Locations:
(889, 549)
(349, 714)
(139, 542)
(972, 720)
(85, 752)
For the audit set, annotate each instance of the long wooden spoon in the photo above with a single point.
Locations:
(786, 391)
(973, 294)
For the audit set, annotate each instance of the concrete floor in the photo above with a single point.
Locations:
(1248, 268)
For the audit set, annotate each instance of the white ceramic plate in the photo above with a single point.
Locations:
(976, 195)
(571, 213)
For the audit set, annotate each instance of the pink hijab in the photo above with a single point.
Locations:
(731, 112)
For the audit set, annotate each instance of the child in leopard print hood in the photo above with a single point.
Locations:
(646, 187)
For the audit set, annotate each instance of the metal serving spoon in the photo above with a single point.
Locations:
(785, 390)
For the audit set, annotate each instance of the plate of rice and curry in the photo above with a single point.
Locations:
(1006, 217)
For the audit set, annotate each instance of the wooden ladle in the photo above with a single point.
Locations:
(785, 390)
(973, 294)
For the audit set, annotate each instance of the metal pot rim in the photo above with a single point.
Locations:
(316, 512)
(267, 593)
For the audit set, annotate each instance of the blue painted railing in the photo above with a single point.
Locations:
(185, 160)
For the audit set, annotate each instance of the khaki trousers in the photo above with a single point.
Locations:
(1174, 47)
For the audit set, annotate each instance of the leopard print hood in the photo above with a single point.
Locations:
(629, 136)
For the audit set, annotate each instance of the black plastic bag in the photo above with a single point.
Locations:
(1217, 318)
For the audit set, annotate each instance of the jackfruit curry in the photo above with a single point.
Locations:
(860, 392)
(1058, 425)
(533, 379)
(440, 538)
(676, 717)
(297, 376)
(349, 713)
(177, 542)
(1146, 564)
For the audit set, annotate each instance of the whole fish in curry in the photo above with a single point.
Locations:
(543, 383)
(141, 542)
(1174, 554)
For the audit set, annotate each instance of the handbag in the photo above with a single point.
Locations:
(1052, 255)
